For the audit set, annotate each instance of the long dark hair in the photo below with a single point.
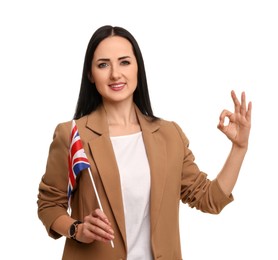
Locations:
(89, 98)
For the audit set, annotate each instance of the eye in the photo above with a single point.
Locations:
(125, 62)
(102, 65)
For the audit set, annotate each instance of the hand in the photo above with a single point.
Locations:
(239, 125)
(96, 226)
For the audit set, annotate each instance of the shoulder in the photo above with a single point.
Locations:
(66, 126)
(63, 127)
(61, 133)
(173, 129)
(168, 125)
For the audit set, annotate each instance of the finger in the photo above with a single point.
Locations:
(100, 214)
(98, 227)
(236, 101)
(243, 104)
(98, 223)
(225, 113)
(249, 112)
(98, 218)
(96, 233)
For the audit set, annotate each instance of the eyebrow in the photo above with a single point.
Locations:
(120, 58)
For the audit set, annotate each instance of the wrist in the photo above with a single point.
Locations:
(240, 149)
(73, 229)
(78, 235)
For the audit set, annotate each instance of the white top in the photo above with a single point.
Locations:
(135, 183)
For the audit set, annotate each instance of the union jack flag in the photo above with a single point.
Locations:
(77, 159)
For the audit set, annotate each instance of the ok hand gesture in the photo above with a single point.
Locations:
(239, 125)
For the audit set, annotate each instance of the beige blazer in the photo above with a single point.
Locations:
(174, 178)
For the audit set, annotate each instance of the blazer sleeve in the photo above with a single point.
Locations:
(196, 189)
(52, 197)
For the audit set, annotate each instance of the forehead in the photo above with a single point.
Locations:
(113, 46)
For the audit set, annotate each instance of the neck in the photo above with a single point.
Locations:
(120, 114)
(122, 120)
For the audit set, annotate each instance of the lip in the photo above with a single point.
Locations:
(117, 86)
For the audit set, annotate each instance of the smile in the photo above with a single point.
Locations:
(117, 87)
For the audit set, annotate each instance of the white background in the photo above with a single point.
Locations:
(195, 53)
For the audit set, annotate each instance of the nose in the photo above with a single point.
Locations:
(115, 73)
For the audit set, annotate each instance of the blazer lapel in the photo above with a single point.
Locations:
(103, 154)
(156, 152)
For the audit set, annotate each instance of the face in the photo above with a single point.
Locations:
(114, 70)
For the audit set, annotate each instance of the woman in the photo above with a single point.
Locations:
(142, 165)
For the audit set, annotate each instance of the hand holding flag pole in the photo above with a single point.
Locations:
(98, 200)
(78, 161)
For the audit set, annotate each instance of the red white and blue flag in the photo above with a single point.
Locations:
(77, 159)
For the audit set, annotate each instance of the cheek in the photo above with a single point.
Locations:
(99, 87)
(98, 83)
(133, 75)
(98, 78)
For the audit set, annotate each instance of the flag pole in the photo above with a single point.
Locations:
(98, 200)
